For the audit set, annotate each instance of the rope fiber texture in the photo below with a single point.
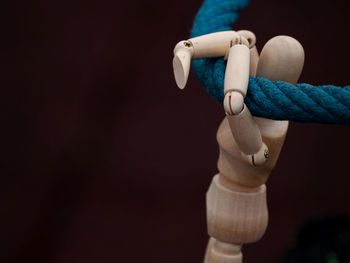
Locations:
(276, 100)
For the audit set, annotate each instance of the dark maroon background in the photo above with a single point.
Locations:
(105, 160)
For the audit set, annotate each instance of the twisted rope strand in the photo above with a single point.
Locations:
(274, 100)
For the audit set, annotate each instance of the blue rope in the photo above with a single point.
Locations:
(274, 100)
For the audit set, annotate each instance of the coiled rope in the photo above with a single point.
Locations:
(274, 100)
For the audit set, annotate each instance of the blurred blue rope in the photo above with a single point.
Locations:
(274, 100)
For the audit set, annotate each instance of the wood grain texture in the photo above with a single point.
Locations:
(236, 217)
(237, 69)
(221, 252)
(236, 200)
(213, 45)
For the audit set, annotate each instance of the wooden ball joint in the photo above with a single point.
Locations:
(249, 146)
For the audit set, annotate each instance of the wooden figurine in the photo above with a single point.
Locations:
(249, 146)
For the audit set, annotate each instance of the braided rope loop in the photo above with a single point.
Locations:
(274, 100)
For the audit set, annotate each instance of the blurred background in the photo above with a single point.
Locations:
(106, 160)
